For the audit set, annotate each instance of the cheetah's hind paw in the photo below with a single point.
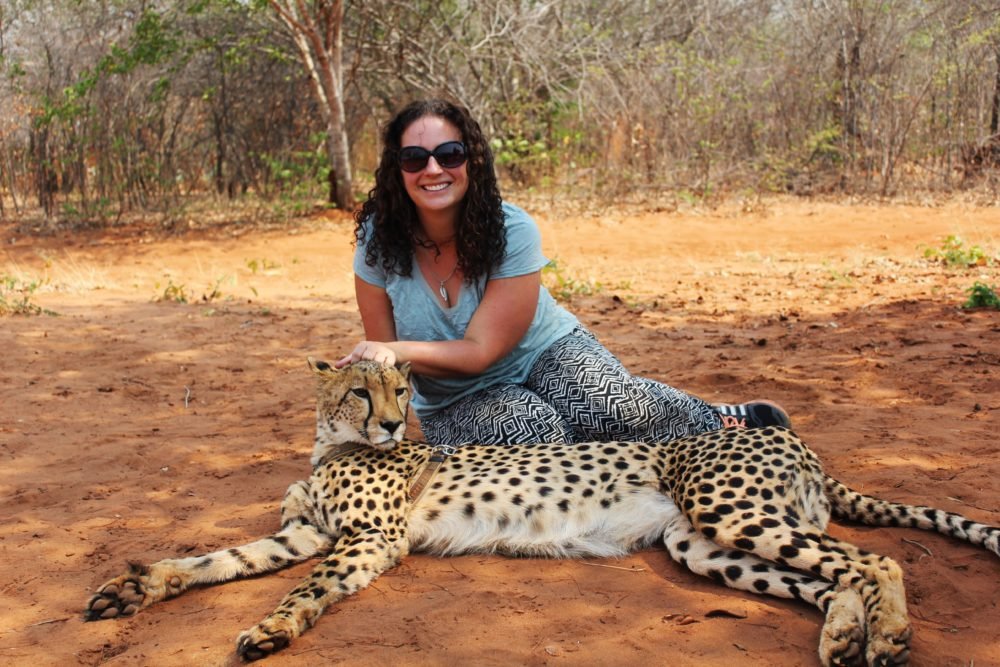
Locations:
(842, 641)
(885, 650)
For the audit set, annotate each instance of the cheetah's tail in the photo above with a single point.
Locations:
(849, 504)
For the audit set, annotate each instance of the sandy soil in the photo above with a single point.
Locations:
(136, 429)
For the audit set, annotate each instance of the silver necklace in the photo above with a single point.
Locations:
(441, 283)
(441, 288)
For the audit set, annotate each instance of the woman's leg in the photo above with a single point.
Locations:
(500, 415)
(594, 393)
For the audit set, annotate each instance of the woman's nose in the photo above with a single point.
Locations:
(432, 166)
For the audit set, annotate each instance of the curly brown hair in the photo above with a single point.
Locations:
(391, 218)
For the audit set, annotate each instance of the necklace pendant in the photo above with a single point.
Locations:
(444, 295)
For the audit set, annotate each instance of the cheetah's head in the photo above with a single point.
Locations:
(363, 403)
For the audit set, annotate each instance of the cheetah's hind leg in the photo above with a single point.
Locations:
(797, 544)
(144, 585)
(842, 640)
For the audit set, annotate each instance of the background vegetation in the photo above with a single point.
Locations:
(109, 107)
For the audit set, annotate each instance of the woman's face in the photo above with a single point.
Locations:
(434, 189)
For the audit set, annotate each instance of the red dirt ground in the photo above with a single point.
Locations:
(139, 429)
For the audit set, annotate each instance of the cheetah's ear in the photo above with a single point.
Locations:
(405, 370)
(319, 366)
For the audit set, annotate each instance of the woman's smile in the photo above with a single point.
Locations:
(437, 187)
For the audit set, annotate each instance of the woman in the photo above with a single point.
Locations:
(448, 278)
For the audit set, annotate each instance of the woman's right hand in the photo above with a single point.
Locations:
(369, 350)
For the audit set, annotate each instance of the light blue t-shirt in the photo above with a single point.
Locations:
(420, 316)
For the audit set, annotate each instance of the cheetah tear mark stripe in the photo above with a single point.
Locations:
(577, 391)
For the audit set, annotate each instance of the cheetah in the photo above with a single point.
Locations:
(748, 508)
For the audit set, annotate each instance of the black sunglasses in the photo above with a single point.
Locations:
(448, 155)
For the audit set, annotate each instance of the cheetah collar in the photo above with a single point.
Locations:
(438, 455)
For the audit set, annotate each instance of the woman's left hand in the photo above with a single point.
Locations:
(369, 350)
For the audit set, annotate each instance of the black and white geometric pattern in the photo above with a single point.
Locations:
(577, 391)
(499, 415)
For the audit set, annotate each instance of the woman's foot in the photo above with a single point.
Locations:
(755, 414)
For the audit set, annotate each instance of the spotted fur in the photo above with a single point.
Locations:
(748, 508)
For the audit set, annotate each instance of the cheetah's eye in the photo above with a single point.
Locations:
(401, 391)
(360, 393)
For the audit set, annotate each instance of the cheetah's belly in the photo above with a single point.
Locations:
(566, 525)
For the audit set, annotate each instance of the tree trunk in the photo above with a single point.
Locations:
(46, 180)
(338, 150)
(995, 107)
(316, 29)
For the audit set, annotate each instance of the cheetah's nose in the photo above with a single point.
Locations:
(390, 427)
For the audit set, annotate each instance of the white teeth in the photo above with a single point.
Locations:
(437, 187)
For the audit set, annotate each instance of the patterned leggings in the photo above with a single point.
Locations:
(577, 391)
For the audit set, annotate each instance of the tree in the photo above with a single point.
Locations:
(316, 30)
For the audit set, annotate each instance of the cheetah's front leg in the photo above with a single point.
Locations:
(144, 585)
(140, 587)
(355, 562)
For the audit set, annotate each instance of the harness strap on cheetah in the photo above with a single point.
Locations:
(438, 455)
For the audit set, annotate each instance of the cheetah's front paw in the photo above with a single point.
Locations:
(127, 594)
(267, 637)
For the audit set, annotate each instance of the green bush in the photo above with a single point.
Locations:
(954, 254)
(982, 295)
(16, 295)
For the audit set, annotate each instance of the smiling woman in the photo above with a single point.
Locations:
(447, 277)
(436, 186)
